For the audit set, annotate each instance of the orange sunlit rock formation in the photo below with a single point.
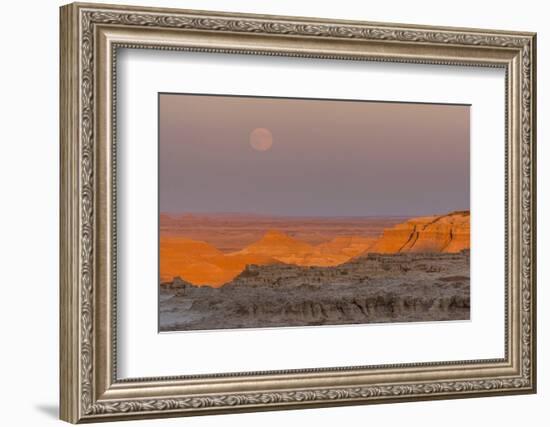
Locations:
(203, 264)
(446, 233)
(288, 250)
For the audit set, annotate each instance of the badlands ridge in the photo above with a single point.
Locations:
(200, 263)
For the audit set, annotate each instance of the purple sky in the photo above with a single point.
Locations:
(328, 158)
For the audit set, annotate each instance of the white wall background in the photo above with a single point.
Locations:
(29, 171)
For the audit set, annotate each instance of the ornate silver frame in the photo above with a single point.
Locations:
(90, 36)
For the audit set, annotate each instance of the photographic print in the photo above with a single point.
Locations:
(289, 190)
(278, 212)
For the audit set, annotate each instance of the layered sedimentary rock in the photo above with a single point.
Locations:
(336, 251)
(371, 288)
(202, 264)
(447, 233)
(279, 246)
(285, 249)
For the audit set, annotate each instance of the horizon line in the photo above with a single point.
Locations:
(230, 213)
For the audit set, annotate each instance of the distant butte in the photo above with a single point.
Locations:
(203, 264)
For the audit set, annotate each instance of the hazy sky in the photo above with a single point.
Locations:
(326, 158)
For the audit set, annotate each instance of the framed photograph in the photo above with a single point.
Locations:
(266, 212)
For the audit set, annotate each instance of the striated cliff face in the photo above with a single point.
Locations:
(447, 233)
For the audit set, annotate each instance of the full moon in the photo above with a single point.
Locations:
(261, 139)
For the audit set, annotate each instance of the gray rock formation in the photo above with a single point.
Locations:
(374, 288)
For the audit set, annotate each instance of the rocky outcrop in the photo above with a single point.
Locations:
(375, 288)
(288, 250)
(202, 264)
(279, 246)
(446, 233)
(348, 246)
